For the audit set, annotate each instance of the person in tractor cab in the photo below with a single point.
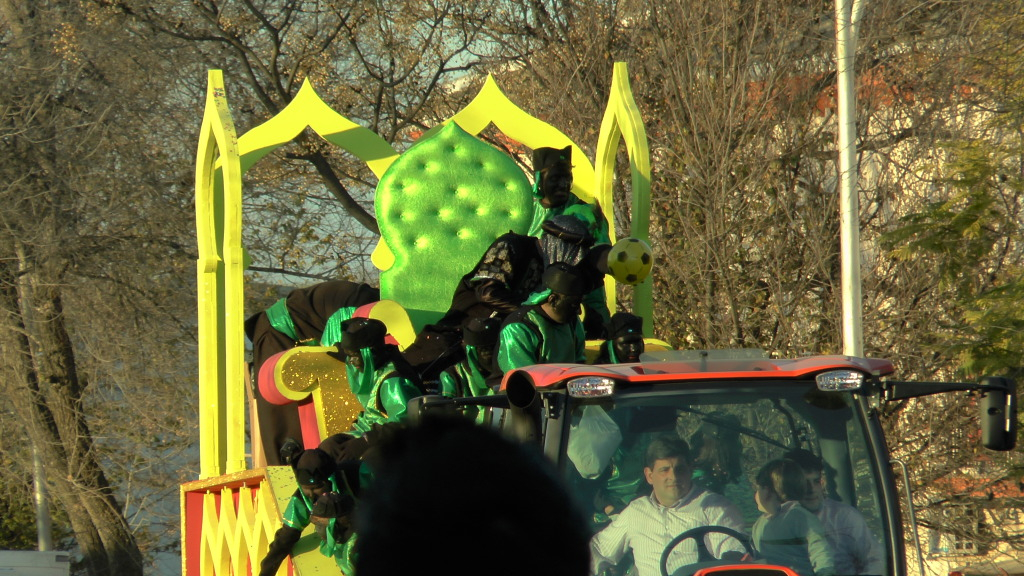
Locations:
(717, 452)
(325, 496)
(625, 341)
(675, 505)
(547, 328)
(787, 534)
(856, 549)
(380, 378)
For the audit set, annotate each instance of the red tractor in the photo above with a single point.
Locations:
(738, 410)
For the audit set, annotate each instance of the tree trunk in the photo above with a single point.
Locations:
(48, 394)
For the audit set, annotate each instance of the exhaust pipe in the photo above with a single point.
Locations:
(523, 402)
(521, 392)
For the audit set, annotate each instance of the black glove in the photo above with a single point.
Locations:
(344, 447)
(337, 353)
(333, 505)
(353, 449)
(280, 548)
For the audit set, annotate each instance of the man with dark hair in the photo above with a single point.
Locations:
(451, 497)
(325, 496)
(379, 376)
(625, 340)
(547, 328)
(856, 549)
(675, 505)
(298, 319)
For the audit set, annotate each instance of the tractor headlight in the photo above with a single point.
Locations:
(839, 380)
(590, 387)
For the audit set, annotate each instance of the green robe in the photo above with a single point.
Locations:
(529, 337)
(281, 320)
(297, 515)
(465, 379)
(598, 225)
(382, 392)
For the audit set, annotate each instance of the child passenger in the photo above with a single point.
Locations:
(787, 534)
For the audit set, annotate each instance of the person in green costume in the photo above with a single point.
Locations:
(380, 378)
(325, 496)
(469, 376)
(547, 328)
(512, 269)
(625, 341)
(718, 453)
(301, 318)
(552, 190)
(507, 274)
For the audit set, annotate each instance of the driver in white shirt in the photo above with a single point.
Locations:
(675, 505)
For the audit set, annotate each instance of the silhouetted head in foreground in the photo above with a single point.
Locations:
(452, 497)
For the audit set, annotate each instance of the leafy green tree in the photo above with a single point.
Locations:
(971, 235)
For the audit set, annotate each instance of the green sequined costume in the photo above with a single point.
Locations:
(383, 392)
(529, 337)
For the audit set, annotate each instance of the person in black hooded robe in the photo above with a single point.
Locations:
(300, 318)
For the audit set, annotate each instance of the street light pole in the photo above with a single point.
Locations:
(848, 14)
(43, 526)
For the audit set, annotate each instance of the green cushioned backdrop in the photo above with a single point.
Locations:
(439, 206)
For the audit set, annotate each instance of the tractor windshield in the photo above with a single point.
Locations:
(733, 430)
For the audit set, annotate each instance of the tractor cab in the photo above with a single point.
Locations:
(737, 411)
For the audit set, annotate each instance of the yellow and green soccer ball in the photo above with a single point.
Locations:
(630, 261)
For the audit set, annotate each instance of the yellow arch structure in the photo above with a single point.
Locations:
(307, 109)
(490, 105)
(622, 122)
(219, 275)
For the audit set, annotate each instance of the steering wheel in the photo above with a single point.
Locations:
(703, 554)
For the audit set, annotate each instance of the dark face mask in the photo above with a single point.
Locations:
(628, 348)
(485, 356)
(563, 307)
(354, 358)
(555, 188)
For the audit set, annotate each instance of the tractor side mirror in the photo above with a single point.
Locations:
(998, 416)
